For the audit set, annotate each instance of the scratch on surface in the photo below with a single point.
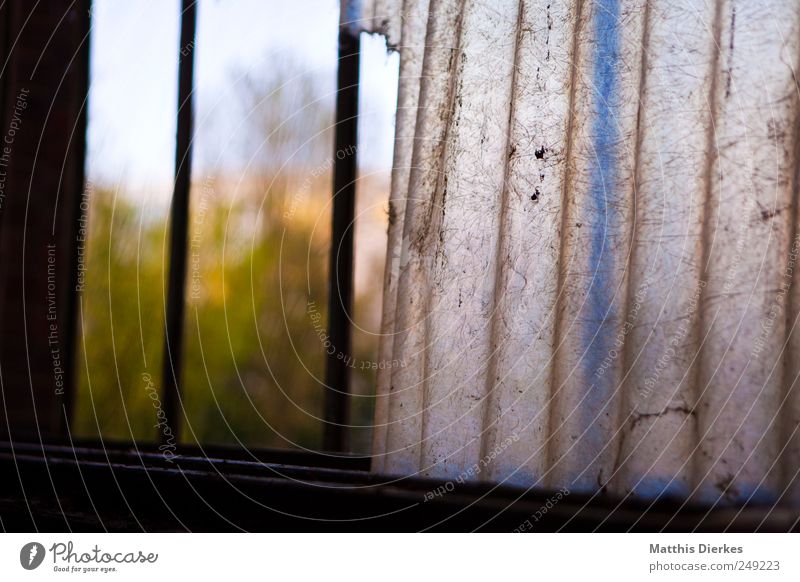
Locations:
(640, 416)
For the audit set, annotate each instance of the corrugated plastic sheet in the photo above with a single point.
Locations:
(591, 278)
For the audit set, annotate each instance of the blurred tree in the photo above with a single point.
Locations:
(256, 288)
(121, 320)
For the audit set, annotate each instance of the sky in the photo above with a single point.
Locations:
(133, 81)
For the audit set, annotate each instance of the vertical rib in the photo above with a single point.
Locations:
(523, 337)
(404, 433)
(597, 241)
(465, 249)
(657, 434)
(411, 56)
(747, 234)
(790, 421)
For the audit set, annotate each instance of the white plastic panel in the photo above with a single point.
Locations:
(591, 279)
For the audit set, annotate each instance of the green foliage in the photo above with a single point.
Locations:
(120, 318)
(254, 358)
(257, 255)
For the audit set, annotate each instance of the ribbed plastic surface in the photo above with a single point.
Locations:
(592, 277)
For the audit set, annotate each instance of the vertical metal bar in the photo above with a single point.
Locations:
(179, 220)
(340, 295)
(75, 177)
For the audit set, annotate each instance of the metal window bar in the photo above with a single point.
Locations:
(179, 220)
(340, 292)
(77, 178)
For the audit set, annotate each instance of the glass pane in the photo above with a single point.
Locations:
(131, 140)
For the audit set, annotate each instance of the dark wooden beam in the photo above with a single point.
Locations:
(42, 145)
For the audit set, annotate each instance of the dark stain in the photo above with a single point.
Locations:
(540, 153)
(444, 209)
(775, 131)
(767, 214)
(549, 23)
(730, 56)
(549, 28)
(535, 195)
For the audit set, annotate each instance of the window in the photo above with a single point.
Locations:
(255, 331)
